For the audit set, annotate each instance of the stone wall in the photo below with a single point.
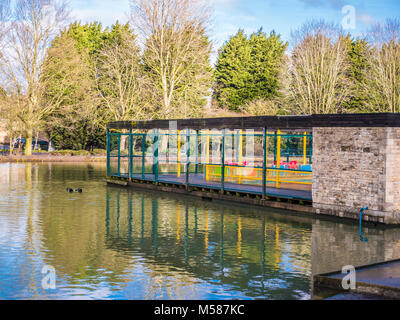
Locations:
(355, 168)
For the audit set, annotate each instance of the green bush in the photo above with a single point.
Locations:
(81, 153)
(99, 152)
(62, 152)
(70, 153)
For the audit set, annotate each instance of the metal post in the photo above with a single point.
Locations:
(278, 157)
(275, 145)
(240, 147)
(305, 148)
(287, 148)
(155, 155)
(237, 145)
(187, 158)
(208, 147)
(206, 165)
(223, 162)
(266, 150)
(108, 152)
(130, 156)
(179, 154)
(143, 155)
(264, 173)
(119, 154)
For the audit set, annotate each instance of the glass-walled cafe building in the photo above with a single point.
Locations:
(304, 163)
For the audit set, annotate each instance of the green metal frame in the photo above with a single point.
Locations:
(155, 155)
(265, 154)
(114, 140)
(223, 162)
(187, 158)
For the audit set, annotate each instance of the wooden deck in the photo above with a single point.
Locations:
(196, 180)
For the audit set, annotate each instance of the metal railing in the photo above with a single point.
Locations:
(155, 155)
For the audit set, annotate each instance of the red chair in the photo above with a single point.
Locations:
(282, 163)
(292, 165)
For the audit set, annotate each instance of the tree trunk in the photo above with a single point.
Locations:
(11, 146)
(28, 142)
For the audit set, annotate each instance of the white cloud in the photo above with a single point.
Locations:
(366, 19)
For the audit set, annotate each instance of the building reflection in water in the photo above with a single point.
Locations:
(211, 243)
(263, 255)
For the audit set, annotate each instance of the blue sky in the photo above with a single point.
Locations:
(283, 16)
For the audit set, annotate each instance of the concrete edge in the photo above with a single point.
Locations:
(323, 281)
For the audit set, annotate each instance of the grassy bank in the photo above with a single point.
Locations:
(48, 157)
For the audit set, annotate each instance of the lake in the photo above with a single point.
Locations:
(110, 242)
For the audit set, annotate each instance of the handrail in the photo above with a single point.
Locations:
(277, 177)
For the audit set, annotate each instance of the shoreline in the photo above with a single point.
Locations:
(52, 158)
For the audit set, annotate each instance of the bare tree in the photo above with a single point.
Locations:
(317, 72)
(173, 35)
(34, 23)
(12, 123)
(4, 17)
(385, 32)
(383, 76)
(121, 80)
(4, 26)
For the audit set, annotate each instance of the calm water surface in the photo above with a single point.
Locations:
(114, 243)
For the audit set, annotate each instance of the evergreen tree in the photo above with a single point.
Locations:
(266, 57)
(232, 72)
(358, 58)
(89, 36)
(248, 68)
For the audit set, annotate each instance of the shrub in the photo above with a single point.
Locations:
(260, 107)
(99, 152)
(70, 153)
(62, 152)
(81, 153)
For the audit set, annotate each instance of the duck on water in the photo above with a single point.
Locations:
(74, 190)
